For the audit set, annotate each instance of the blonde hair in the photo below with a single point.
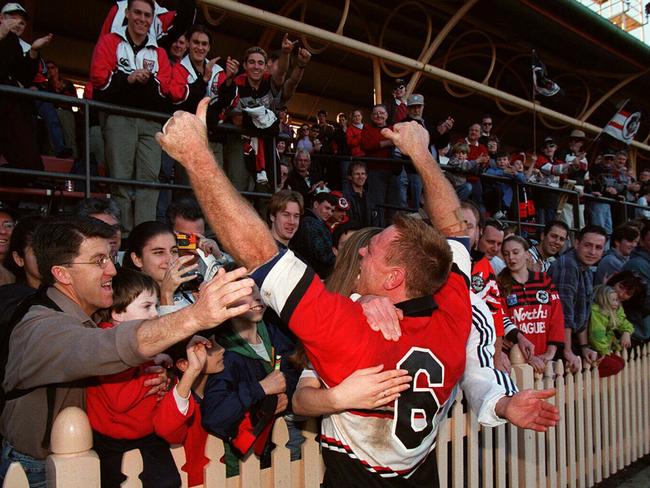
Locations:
(346, 269)
(603, 298)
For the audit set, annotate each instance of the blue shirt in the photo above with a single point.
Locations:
(575, 284)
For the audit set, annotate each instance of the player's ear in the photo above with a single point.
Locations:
(394, 278)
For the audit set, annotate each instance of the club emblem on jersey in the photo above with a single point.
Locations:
(542, 297)
(477, 283)
(148, 64)
(511, 300)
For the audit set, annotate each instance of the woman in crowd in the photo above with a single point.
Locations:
(153, 250)
(532, 302)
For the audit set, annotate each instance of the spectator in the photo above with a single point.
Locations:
(187, 357)
(396, 108)
(353, 134)
(284, 173)
(360, 213)
(241, 403)
(602, 183)
(177, 50)
(486, 131)
(340, 213)
(552, 239)
(503, 197)
(122, 412)
(340, 136)
(284, 210)
(644, 200)
(475, 148)
(76, 272)
(490, 244)
(639, 263)
(21, 262)
(106, 210)
(285, 125)
(304, 141)
(493, 148)
(17, 136)
(326, 132)
(301, 179)
(550, 168)
(153, 250)
(644, 176)
(462, 166)
(573, 278)
(313, 240)
(7, 224)
(608, 321)
(166, 27)
(623, 241)
(533, 303)
(144, 82)
(59, 118)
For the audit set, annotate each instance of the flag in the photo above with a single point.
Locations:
(541, 82)
(624, 125)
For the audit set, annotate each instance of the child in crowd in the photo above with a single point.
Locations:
(124, 410)
(608, 321)
(241, 403)
(193, 363)
(462, 166)
(503, 192)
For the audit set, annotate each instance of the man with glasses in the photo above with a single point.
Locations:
(486, 129)
(396, 108)
(56, 348)
(551, 169)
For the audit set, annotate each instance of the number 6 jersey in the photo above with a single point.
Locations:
(386, 447)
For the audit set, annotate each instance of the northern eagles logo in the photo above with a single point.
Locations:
(542, 297)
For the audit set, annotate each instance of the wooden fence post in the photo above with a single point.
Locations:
(588, 399)
(561, 426)
(527, 459)
(72, 463)
(551, 435)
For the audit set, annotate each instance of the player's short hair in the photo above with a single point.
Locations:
(424, 254)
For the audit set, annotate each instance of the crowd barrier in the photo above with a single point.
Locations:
(604, 427)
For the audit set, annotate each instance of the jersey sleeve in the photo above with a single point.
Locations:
(556, 322)
(482, 383)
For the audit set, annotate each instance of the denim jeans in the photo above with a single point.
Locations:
(381, 190)
(48, 112)
(34, 468)
(409, 184)
(464, 191)
(296, 439)
(601, 214)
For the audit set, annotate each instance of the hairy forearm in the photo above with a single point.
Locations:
(237, 225)
(155, 336)
(441, 202)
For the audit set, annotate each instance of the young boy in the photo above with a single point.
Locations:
(124, 411)
(462, 167)
(240, 403)
(503, 191)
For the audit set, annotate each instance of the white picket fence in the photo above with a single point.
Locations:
(604, 426)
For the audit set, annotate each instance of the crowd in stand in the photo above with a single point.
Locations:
(554, 294)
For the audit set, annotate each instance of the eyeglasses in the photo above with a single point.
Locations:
(102, 262)
(7, 225)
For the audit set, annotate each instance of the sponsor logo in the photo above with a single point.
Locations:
(533, 328)
(148, 64)
(511, 300)
(522, 315)
(124, 62)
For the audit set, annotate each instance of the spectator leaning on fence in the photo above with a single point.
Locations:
(639, 263)
(624, 240)
(571, 273)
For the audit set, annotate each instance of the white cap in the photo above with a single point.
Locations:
(13, 7)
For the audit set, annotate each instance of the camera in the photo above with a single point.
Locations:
(207, 263)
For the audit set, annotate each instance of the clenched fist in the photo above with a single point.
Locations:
(185, 134)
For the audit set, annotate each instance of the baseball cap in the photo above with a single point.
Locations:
(399, 82)
(549, 141)
(13, 8)
(341, 202)
(415, 99)
(577, 134)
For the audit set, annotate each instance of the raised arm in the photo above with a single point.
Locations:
(239, 228)
(441, 202)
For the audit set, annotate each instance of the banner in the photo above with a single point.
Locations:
(624, 125)
(542, 84)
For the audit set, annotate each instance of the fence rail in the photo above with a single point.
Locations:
(604, 426)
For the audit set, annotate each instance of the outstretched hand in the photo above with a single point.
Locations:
(185, 134)
(409, 137)
(529, 409)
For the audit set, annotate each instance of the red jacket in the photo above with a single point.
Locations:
(353, 138)
(370, 138)
(117, 406)
(163, 19)
(110, 77)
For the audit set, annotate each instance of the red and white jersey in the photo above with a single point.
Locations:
(536, 309)
(188, 72)
(115, 21)
(433, 348)
(484, 285)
